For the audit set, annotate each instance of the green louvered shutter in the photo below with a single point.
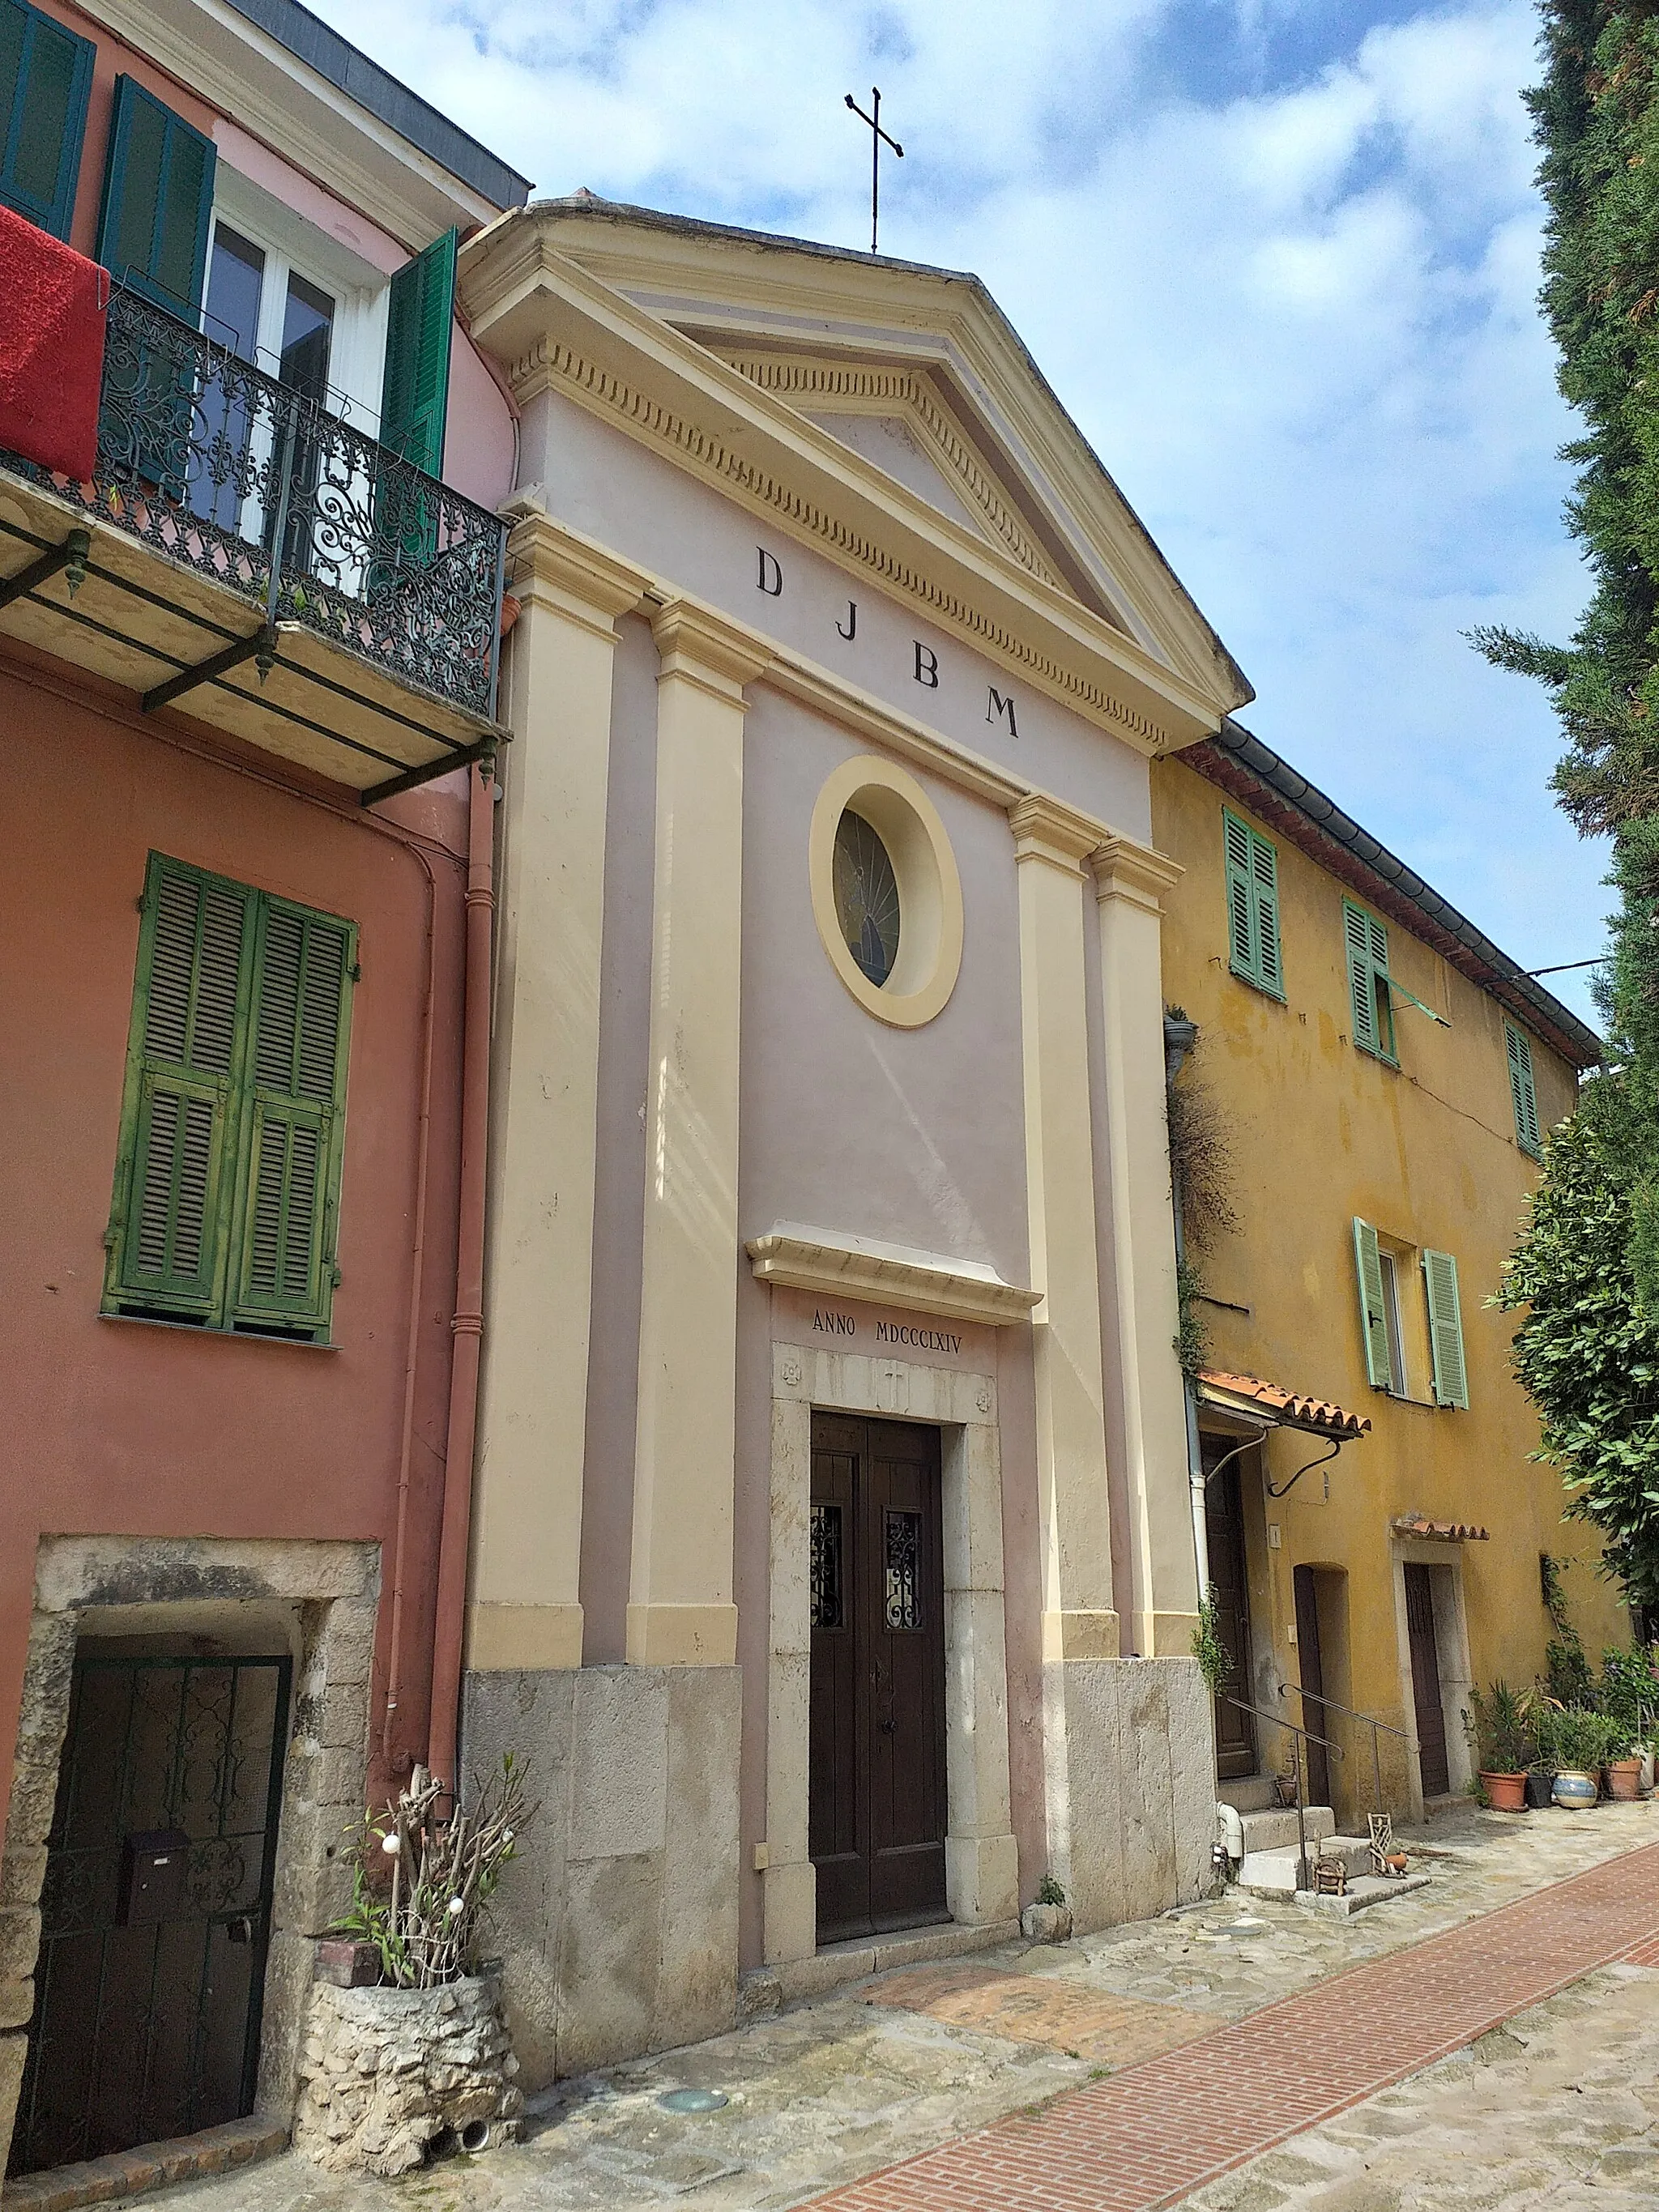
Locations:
(1522, 1093)
(170, 1217)
(1451, 1386)
(158, 202)
(1264, 896)
(1361, 990)
(414, 392)
(1373, 1312)
(301, 1015)
(45, 76)
(1240, 902)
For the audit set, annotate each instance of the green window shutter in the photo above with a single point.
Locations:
(1264, 894)
(1361, 989)
(1373, 1312)
(170, 1216)
(1451, 1386)
(286, 1275)
(1252, 906)
(1522, 1095)
(46, 76)
(158, 201)
(1241, 900)
(414, 392)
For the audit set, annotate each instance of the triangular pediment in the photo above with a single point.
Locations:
(895, 416)
(887, 411)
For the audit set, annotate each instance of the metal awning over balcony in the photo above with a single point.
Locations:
(250, 558)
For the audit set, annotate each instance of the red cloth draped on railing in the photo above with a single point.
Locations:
(53, 306)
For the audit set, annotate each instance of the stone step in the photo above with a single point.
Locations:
(1251, 1793)
(1369, 1889)
(1273, 1873)
(1276, 1831)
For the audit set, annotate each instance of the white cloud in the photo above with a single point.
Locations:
(1299, 323)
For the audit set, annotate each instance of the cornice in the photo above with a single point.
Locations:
(1125, 870)
(321, 149)
(552, 365)
(1046, 828)
(813, 1259)
(908, 389)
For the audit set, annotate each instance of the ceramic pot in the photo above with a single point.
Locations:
(1538, 1791)
(1625, 1780)
(1508, 1792)
(1646, 1763)
(1576, 1792)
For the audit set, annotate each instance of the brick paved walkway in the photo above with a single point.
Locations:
(1151, 2134)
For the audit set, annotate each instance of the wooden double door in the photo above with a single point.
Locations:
(877, 1790)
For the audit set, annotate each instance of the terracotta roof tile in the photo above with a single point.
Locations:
(1293, 1408)
(1453, 1532)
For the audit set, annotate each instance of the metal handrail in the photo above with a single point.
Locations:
(1371, 1722)
(1298, 1736)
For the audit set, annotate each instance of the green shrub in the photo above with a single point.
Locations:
(1496, 1726)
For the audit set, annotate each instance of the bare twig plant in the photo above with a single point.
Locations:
(425, 1920)
(1202, 1156)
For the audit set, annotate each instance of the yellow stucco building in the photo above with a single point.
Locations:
(1378, 1073)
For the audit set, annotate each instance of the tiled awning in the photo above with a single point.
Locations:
(1275, 1408)
(1444, 1532)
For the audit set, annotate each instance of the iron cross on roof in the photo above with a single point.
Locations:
(878, 137)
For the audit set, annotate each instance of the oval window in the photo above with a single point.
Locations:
(866, 897)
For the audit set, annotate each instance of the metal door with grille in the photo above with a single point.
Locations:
(156, 1913)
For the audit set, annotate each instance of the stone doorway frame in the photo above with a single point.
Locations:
(1451, 1639)
(150, 1586)
(981, 1857)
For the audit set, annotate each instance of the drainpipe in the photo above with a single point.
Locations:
(468, 1323)
(1180, 1035)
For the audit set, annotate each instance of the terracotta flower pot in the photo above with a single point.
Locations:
(1625, 1780)
(1508, 1792)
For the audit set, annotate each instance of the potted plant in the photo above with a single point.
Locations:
(1629, 1695)
(1497, 1730)
(1579, 1742)
(395, 2071)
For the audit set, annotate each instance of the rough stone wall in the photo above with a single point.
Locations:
(333, 1589)
(617, 1924)
(1141, 1776)
(383, 2073)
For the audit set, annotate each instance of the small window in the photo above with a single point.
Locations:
(866, 897)
(1253, 906)
(1522, 1095)
(1397, 1379)
(227, 1181)
(1367, 942)
(45, 76)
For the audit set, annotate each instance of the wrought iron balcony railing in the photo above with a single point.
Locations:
(217, 465)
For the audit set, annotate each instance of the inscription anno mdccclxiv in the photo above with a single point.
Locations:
(827, 1322)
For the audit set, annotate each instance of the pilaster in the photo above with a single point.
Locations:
(1050, 846)
(1130, 883)
(524, 1610)
(680, 1611)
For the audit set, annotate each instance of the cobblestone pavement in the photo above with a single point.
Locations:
(827, 2093)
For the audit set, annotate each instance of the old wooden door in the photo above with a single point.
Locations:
(1425, 1682)
(1312, 1672)
(877, 1795)
(1223, 1521)
(156, 1913)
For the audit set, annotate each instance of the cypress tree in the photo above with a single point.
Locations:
(1595, 119)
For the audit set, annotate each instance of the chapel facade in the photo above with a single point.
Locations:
(834, 1557)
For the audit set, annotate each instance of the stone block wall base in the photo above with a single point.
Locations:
(151, 2165)
(385, 2074)
(1132, 1795)
(797, 1980)
(616, 1923)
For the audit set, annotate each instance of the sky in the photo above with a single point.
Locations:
(1277, 257)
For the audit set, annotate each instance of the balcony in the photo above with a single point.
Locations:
(277, 573)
